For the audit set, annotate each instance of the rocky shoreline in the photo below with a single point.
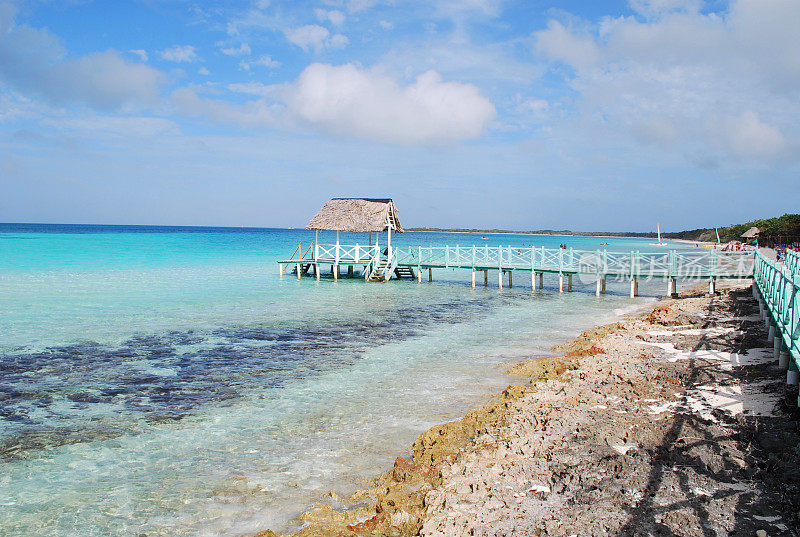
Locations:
(672, 422)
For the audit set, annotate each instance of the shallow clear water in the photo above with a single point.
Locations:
(166, 381)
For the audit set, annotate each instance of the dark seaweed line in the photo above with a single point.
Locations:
(88, 374)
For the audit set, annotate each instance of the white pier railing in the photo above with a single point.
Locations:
(633, 265)
(345, 253)
(666, 264)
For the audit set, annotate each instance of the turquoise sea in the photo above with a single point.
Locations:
(167, 381)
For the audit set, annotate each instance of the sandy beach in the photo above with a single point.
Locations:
(670, 422)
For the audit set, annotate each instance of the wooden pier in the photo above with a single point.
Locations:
(377, 264)
(565, 263)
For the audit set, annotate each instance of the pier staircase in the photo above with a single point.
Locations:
(381, 270)
(303, 260)
(404, 272)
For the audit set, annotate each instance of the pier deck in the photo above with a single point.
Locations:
(671, 265)
(776, 288)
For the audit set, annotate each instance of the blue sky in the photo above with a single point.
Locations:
(475, 113)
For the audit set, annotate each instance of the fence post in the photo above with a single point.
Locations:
(500, 267)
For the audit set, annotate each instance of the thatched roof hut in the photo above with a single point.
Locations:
(358, 215)
(751, 233)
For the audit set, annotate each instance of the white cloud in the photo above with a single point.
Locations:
(333, 16)
(262, 61)
(345, 100)
(14, 106)
(681, 79)
(561, 44)
(659, 130)
(34, 61)
(203, 71)
(257, 113)
(386, 25)
(338, 41)
(180, 54)
(141, 54)
(311, 36)
(748, 136)
(315, 37)
(255, 88)
(532, 105)
(241, 50)
(355, 6)
(459, 8)
(656, 8)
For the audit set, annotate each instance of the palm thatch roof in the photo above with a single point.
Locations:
(359, 215)
(751, 233)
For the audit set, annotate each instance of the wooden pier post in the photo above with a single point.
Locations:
(280, 269)
(430, 274)
(776, 349)
(419, 266)
(500, 279)
(541, 280)
(486, 277)
(335, 268)
(316, 270)
(599, 285)
(712, 286)
(350, 271)
(673, 287)
(560, 283)
(510, 272)
(473, 278)
(569, 283)
(533, 280)
(634, 287)
(298, 269)
(771, 334)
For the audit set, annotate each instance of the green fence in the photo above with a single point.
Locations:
(778, 287)
(792, 261)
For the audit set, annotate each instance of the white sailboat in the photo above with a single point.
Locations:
(660, 242)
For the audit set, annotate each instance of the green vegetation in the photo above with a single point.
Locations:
(787, 226)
